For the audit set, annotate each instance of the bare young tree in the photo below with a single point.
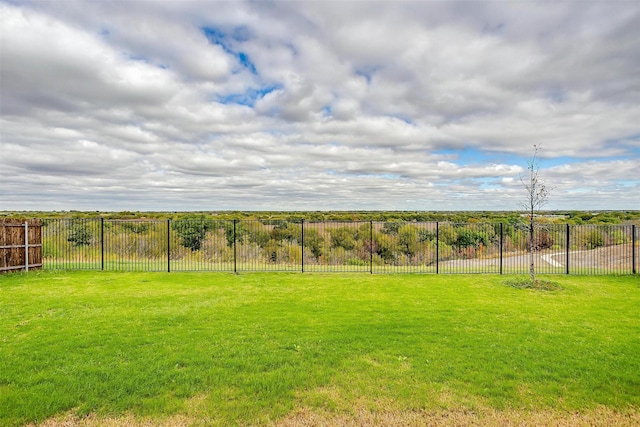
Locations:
(537, 194)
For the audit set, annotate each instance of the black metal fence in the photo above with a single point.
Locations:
(358, 246)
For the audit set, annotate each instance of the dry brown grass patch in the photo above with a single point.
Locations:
(93, 420)
(460, 418)
(306, 417)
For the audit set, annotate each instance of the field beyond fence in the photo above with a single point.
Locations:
(335, 246)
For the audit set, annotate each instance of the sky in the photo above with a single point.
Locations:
(318, 105)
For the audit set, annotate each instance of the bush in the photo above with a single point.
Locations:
(344, 237)
(257, 233)
(618, 237)
(286, 231)
(408, 240)
(80, 236)
(137, 227)
(470, 238)
(593, 239)
(541, 241)
(425, 235)
(193, 231)
(447, 234)
(391, 227)
(386, 246)
(313, 241)
(357, 262)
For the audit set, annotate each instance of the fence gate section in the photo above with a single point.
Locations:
(20, 245)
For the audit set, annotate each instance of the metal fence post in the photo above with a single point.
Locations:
(501, 246)
(568, 249)
(169, 246)
(371, 246)
(437, 247)
(26, 246)
(102, 244)
(302, 229)
(235, 251)
(633, 248)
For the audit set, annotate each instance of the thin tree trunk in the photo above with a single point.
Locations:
(532, 271)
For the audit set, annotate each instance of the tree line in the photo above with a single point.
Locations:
(555, 217)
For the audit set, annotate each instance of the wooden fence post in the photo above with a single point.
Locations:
(26, 245)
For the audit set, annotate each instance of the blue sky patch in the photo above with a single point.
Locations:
(472, 156)
(366, 72)
(227, 41)
(246, 62)
(248, 97)
(216, 36)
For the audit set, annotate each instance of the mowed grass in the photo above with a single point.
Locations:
(220, 349)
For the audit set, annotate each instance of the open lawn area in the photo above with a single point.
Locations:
(291, 349)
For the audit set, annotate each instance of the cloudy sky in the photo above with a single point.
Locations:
(315, 105)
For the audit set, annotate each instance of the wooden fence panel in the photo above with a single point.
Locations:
(20, 245)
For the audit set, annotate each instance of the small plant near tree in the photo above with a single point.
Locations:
(538, 284)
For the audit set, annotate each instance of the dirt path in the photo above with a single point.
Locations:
(609, 258)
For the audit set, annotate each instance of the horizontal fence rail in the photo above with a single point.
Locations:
(331, 246)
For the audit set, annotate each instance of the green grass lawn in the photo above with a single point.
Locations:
(253, 348)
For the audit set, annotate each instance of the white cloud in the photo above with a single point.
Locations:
(306, 105)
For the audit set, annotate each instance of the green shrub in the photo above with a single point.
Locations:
(408, 240)
(470, 238)
(344, 237)
(357, 262)
(593, 239)
(80, 235)
(193, 231)
(314, 242)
